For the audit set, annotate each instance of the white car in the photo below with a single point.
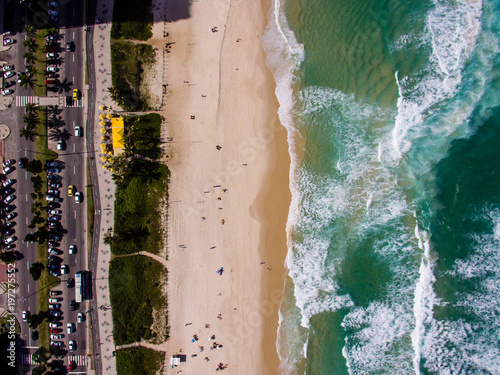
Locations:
(55, 324)
(70, 328)
(72, 249)
(9, 199)
(6, 68)
(64, 269)
(8, 170)
(55, 300)
(72, 345)
(7, 92)
(78, 197)
(55, 337)
(25, 315)
(55, 212)
(51, 55)
(9, 74)
(78, 131)
(7, 41)
(52, 69)
(80, 318)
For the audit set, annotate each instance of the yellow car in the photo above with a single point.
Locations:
(71, 190)
(76, 94)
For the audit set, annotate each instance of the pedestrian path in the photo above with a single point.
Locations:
(27, 359)
(21, 101)
(76, 103)
(80, 360)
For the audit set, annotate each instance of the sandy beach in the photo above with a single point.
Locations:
(229, 192)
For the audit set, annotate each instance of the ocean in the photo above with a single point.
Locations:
(393, 115)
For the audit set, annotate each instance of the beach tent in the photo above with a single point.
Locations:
(174, 361)
(109, 116)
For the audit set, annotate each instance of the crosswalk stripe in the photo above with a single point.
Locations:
(21, 101)
(80, 360)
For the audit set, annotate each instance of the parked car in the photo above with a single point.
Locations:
(52, 163)
(54, 237)
(55, 212)
(51, 55)
(70, 283)
(52, 4)
(11, 216)
(7, 92)
(9, 183)
(52, 69)
(8, 41)
(9, 232)
(10, 240)
(55, 330)
(53, 251)
(8, 170)
(72, 365)
(73, 306)
(51, 48)
(9, 208)
(34, 335)
(9, 199)
(55, 324)
(55, 337)
(55, 306)
(61, 145)
(54, 218)
(51, 38)
(52, 12)
(54, 258)
(53, 177)
(53, 192)
(54, 185)
(7, 84)
(9, 74)
(53, 170)
(9, 162)
(55, 313)
(56, 343)
(50, 81)
(64, 269)
(55, 300)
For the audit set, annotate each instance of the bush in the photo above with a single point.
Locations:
(36, 270)
(139, 361)
(132, 19)
(134, 293)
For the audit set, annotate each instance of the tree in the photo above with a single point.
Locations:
(41, 355)
(26, 81)
(33, 321)
(30, 43)
(28, 133)
(108, 238)
(35, 166)
(30, 31)
(31, 108)
(30, 237)
(39, 370)
(30, 57)
(7, 257)
(36, 270)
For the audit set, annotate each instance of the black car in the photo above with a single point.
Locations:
(9, 208)
(34, 335)
(9, 224)
(22, 162)
(8, 84)
(70, 46)
(54, 237)
(8, 191)
(73, 306)
(69, 100)
(10, 246)
(70, 283)
(9, 232)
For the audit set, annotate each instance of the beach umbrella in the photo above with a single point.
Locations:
(103, 148)
(101, 116)
(104, 158)
(104, 137)
(103, 131)
(102, 123)
(109, 116)
(101, 107)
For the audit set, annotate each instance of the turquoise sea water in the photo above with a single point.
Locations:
(392, 109)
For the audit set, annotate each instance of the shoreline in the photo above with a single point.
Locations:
(223, 94)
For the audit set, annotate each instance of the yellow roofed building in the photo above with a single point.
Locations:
(117, 132)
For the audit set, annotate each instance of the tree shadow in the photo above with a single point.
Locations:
(59, 135)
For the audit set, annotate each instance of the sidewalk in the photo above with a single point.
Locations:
(102, 64)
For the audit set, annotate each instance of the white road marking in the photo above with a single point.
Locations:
(74, 147)
(73, 31)
(75, 214)
(26, 197)
(28, 267)
(73, 79)
(74, 169)
(28, 288)
(73, 58)
(27, 221)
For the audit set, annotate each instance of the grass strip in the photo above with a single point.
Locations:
(40, 64)
(139, 361)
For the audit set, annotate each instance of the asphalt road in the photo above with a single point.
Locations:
(72, 163)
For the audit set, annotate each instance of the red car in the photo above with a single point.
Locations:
(50, 82)
(51, 49)
(72, 365)
(54, 331)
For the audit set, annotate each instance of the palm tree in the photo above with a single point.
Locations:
(30, 44)
(30, 120)
(31, 108)
(26, 81)
(30, 57)
(28, 133)
(30, 31)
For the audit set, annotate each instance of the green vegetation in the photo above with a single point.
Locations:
(7, 257)
(128, 62)
(40, 64)
(142, 136)
(5, 324)
(136, 289)
(132, 19)
(36, 270)
(90, 209)
(139, 361)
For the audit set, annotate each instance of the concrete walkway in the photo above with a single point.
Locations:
(103, 193)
